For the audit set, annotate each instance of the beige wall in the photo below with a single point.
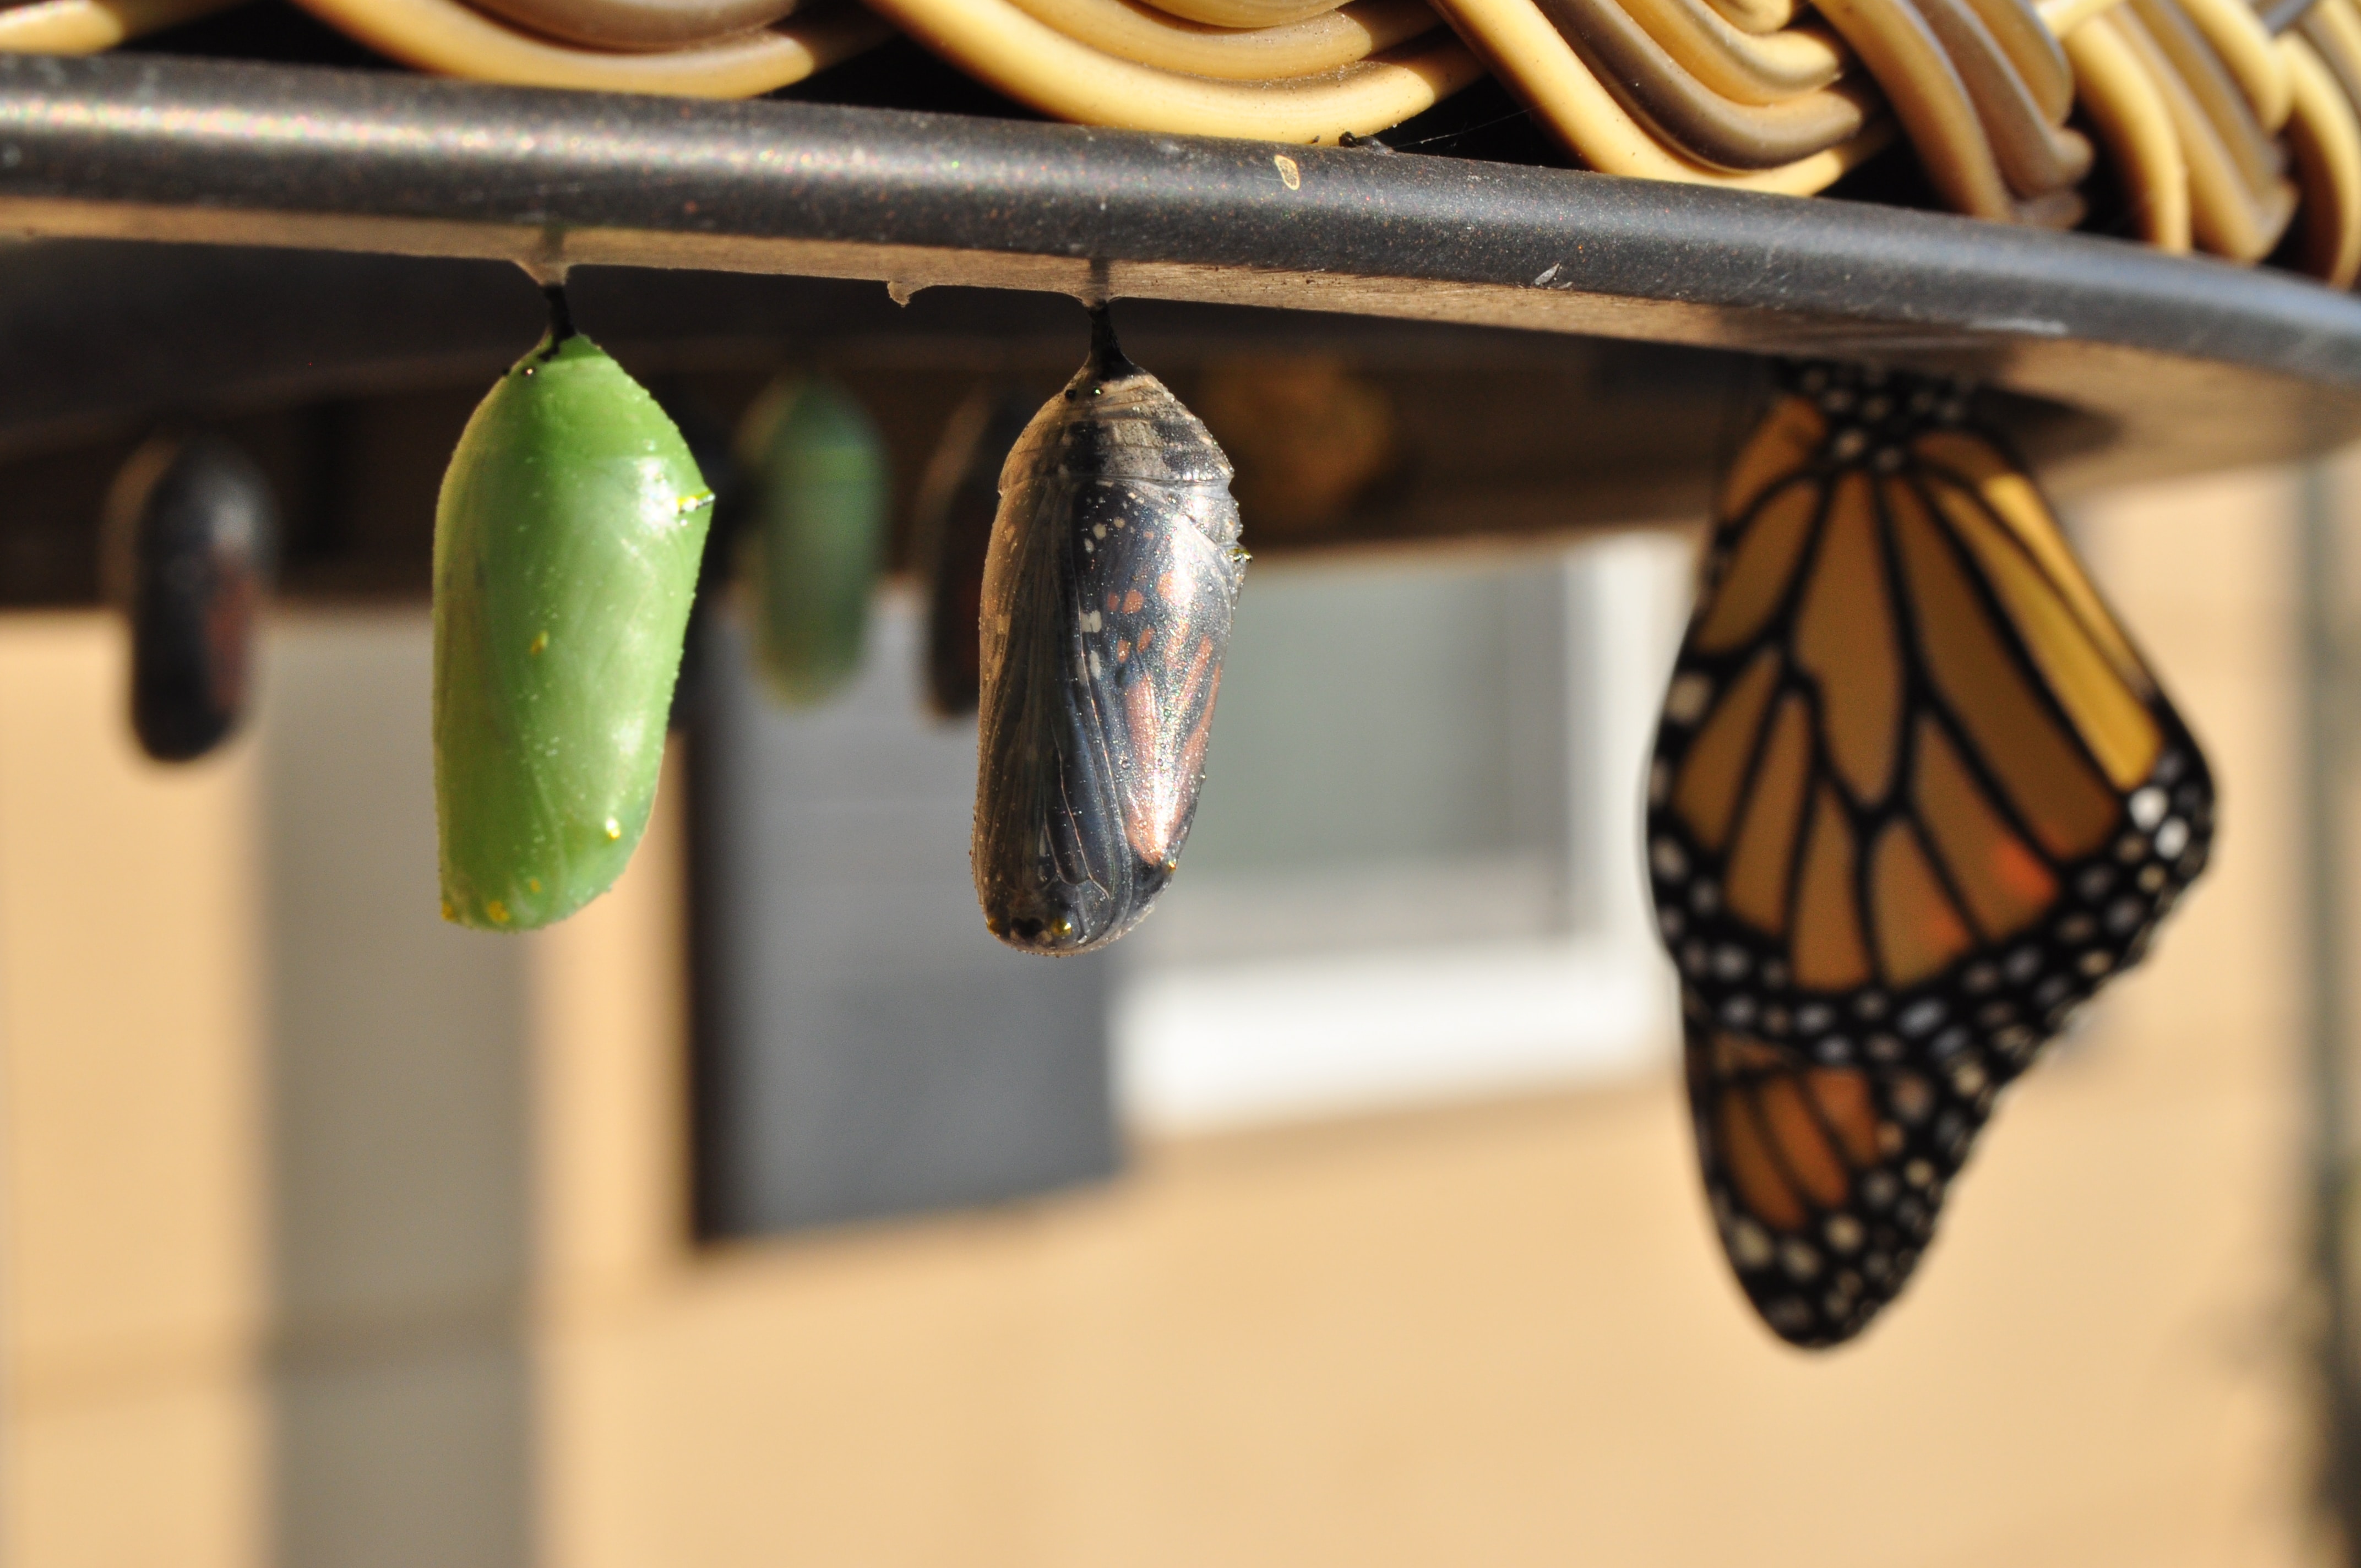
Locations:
(1497, 1335)
(1502, 1335)
(401, 1237)
(131, 1285)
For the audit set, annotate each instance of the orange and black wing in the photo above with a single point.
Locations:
(1914, 796)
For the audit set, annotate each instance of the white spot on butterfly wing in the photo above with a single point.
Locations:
(1688, 696)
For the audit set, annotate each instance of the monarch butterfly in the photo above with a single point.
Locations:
(819, 484)
(1914, 796)
(957, 502)
(190, 532)
(567, 543)
(1107, 596)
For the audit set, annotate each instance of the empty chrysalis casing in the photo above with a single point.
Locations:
(820, 482)
(957, 504)
(1107, 598)
(567, 545)
(188, 538)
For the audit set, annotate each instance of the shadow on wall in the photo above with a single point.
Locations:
(400, 1193)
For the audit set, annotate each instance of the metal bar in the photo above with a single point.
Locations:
(2199, 364)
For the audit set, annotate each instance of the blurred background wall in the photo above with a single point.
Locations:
(336, 1236)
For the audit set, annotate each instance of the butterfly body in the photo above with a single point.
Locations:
(1108, 590)
(1914, 798)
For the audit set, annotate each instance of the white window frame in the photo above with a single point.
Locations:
(1203, 1045)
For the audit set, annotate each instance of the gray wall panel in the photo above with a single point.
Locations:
(866, 1047)
(401, 1144)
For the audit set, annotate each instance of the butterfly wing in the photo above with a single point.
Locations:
(1046, 829)
(1914, 796)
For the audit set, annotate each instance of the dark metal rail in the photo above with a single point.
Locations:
(2195, 364)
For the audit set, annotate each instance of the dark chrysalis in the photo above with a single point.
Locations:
(709, 443)
(1107, 598)
(190, 537)
(957, 503)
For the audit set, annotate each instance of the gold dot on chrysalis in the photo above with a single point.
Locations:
(614, 830)
(533, 884)
(450, 912)
(540, 643)
(497, 910)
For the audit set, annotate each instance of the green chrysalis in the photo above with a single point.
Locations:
(567, 545)
(817, 533)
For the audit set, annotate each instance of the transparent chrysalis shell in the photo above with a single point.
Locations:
(1107, 598)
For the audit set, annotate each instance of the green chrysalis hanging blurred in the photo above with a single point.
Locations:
(567, 545)
(816, 529)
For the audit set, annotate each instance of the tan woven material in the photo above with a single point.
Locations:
(2218, 135)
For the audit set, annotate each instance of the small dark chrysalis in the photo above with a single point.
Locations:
(567, 539)
(188, 543)
(1107, 598)
(957, 503)
(709, 443)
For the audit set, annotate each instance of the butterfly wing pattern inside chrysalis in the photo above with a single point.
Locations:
(1107, 598)
(1914, 798)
